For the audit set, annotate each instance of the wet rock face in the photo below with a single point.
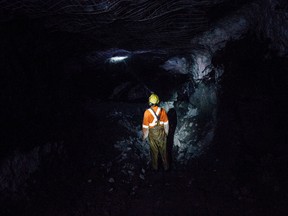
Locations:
(193, 127)
(194, 102)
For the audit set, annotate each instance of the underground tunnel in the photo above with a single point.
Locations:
(75, 81)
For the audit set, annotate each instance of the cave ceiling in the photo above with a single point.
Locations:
(131, 24)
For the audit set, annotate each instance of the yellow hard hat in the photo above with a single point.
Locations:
(153, 99)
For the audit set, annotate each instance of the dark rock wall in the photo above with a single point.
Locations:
(17, 168)
(252, 121)
(270, 21)
(39, 99)
(37, 90)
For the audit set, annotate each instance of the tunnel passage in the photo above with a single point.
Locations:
(133, 79)
(102, 140)
(73, 140)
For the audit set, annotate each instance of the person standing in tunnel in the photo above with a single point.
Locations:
(156, 127)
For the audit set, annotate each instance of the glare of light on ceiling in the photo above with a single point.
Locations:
(117, 59)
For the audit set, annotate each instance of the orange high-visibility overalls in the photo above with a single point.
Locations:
(154, 119)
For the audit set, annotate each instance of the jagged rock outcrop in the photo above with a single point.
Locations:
(268, 20)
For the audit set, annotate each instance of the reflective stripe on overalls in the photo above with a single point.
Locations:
(157, 140)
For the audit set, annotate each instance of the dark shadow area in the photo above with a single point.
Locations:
(172, 116)
(251, 137)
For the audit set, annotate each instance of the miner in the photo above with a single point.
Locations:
(156, 127)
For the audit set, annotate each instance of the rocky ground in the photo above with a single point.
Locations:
(106, 172)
